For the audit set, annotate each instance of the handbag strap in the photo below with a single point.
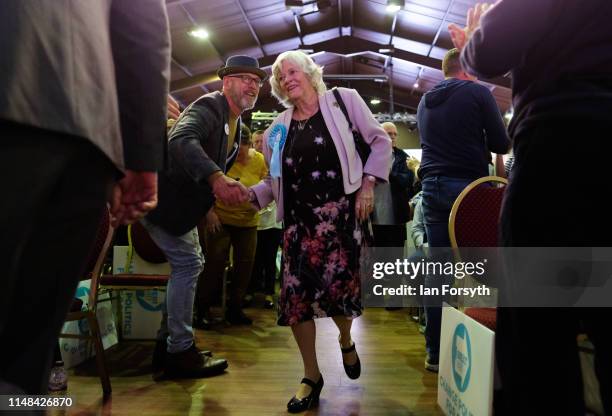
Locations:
(342, 106)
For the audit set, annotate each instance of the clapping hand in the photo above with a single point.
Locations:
(174, 110)
(459, 36)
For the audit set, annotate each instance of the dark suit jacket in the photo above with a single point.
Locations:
(77, 68)
(197, 148)
(401, 179)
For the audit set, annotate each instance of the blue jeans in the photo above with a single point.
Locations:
(186, 261)
(439, 194)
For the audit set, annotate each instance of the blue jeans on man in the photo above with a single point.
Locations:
(184, 254)
(439, 194)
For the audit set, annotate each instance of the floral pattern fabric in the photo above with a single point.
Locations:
(321, 239)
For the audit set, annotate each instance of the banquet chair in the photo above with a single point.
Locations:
(474, 222)
(94, 269)
(140, 243)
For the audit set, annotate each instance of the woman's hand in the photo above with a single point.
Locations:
(213, 225)
(364, 204)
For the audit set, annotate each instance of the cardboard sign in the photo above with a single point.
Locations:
(467, 362)
(75, 351)
(141, 309)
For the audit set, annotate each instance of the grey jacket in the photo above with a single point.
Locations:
(93, 69)
(197, 149)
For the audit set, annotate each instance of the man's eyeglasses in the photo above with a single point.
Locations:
(248, 80)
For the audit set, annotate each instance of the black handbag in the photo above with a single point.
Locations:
(363, 149)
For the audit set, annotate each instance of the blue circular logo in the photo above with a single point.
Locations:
(461, 357)
(150, 300)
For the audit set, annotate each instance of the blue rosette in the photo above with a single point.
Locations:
(276, 141)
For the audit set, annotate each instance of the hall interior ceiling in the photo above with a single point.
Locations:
(347, 37)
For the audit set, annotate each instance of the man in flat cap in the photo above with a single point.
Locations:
(202, 146)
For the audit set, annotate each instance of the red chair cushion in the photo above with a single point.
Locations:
(146, 280)
(472, 227)
(485, 316)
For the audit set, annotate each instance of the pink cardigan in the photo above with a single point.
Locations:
(379, 161)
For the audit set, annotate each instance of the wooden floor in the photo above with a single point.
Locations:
(264, 372)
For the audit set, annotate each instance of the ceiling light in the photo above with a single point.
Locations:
(374, 101)
(199, 33)
(394, 6)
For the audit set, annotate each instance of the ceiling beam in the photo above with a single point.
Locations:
(401, 97)
(341, 45)
(177, 2)
(251, 29)
(435, 39)
(339, 17)
(296, 19)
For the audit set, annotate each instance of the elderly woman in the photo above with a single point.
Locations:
(324, 194)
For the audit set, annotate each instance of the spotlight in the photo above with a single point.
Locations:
(416, 85)
(374, 101)
(199, 33)
(394, 6)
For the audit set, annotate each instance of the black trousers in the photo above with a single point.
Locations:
(54, 189)
(389, 235)
(264, 270)
(556, 198)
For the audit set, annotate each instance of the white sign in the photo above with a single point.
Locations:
(74, 351)
(465, 378)
(141, 309)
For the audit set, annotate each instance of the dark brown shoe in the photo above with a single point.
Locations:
(160, 353)
(192, 364)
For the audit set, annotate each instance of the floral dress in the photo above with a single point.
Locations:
(321, 240)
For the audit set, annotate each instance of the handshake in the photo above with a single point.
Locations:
(228, 190)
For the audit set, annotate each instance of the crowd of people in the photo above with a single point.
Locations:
(82, 128)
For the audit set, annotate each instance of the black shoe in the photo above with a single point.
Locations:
(191, 363)
(268, 302)
(237, 317)
(353, 371)
(160, 352)
(296, 405)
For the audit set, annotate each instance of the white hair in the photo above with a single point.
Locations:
(388, 124)
(312, 71)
